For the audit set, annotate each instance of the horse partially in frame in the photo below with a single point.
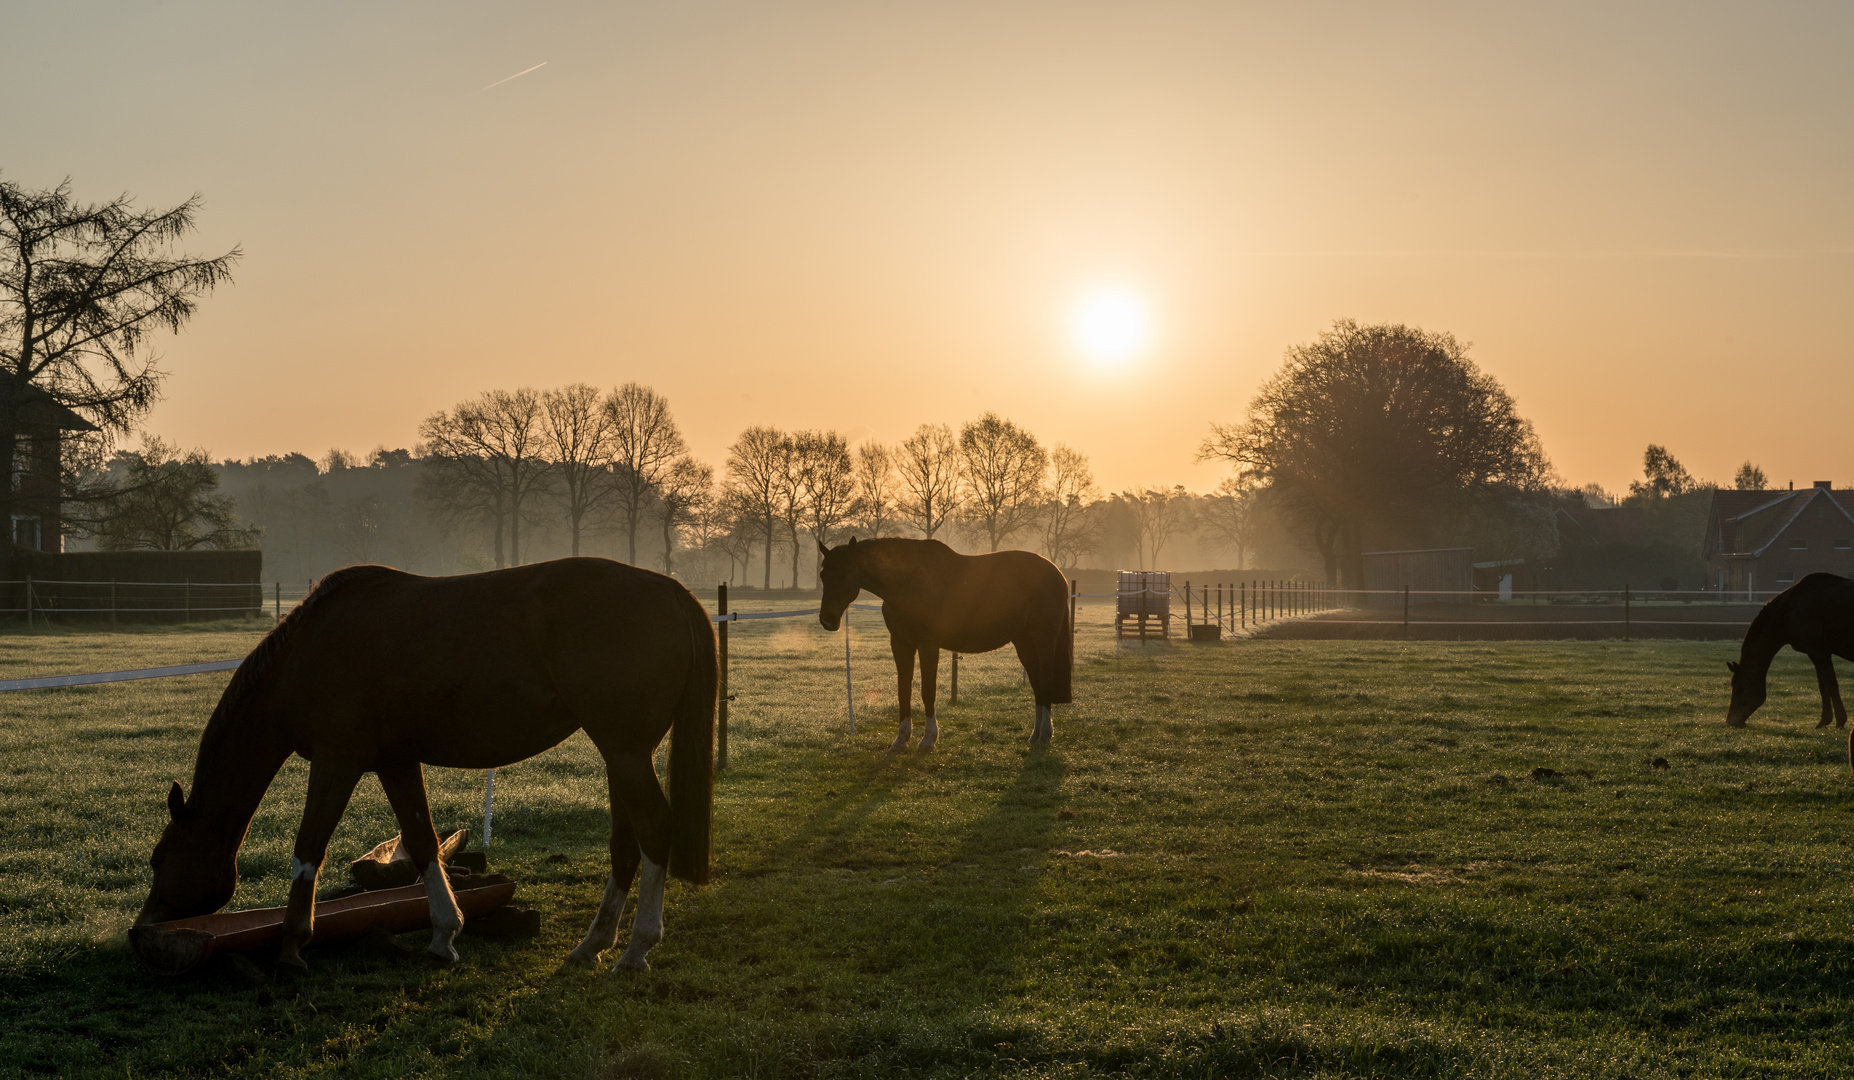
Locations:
(385, 672)
(934, 598)
(1815, 617)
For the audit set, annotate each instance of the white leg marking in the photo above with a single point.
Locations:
(302, 871)
(446, 916)
(902, 734)
(1045, 731)
(930, 734)
(603, 933)
(647, 924)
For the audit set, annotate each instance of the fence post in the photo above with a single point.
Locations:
(721, 709)
(1406, 611)
(1074, 599)
(849, 689)
(112, 603)
(28, 601)
(1144, 588)
(489, 805)
(1187, 607)
(1626, 598)
(1242, 605)
(186, 599)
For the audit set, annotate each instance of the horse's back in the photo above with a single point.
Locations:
(546, 648)
(1818, 613)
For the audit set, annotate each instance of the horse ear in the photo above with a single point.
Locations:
(852, 541)
(1733, 665)
(176, 802)
(823, 549)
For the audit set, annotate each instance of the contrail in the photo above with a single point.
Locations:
(517, 75)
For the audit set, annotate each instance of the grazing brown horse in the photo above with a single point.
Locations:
(382, 671)
(1815, 617)
(934, 598)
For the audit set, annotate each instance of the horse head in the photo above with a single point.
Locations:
(1747, 693)
(842, 580)
(193, 873)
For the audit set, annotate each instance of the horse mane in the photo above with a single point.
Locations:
(1765, 624)
(250, 675)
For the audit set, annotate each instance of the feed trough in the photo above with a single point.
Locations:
(185, 943)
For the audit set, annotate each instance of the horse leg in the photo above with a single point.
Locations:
(1832, 708)
(634, 784)
(330, 786)
(930, 685)
(904, 690)
(603, 933)
(405, 790)
(1044, 732)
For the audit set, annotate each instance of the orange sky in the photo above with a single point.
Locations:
(867, 216)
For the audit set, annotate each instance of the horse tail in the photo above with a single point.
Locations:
(1061, 662)
(692, 752)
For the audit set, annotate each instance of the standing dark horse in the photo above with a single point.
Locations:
(382, 671)
(1815, 617)
(934, 598)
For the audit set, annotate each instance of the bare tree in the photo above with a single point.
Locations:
(1003, 468)
(1068, 523)
(755, 474)
(577, 436)
(1158, 515)
(646, 445)
(485, 459)
(168, 500)
(1231, 514)
(827, 484)
(875, 487)
(82, 288)
(738, 531)
(683, 495)
(928, 464)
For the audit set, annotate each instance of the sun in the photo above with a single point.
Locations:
(1110, 324)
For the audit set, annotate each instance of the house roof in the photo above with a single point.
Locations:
(1758, 518)
(45, 410)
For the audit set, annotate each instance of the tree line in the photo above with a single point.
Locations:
(1369, 437)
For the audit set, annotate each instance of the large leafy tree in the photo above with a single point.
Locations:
(83, 287)
(1381, 436)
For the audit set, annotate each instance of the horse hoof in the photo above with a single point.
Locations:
(580, 960)
(627, 962)
(926, 746)
(898, 744)
(292, 965)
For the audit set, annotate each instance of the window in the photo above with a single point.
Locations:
(1787, 577)
(1844, 545)
(1799, 543)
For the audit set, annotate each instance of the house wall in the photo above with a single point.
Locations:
(1438, 570)
(1827, 538)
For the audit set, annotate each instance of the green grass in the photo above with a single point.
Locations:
(1261, 858)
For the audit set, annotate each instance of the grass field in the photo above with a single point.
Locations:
(1259, 858)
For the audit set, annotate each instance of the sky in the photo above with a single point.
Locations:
(866, 216)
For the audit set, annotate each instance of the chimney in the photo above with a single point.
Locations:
(1825, 485)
